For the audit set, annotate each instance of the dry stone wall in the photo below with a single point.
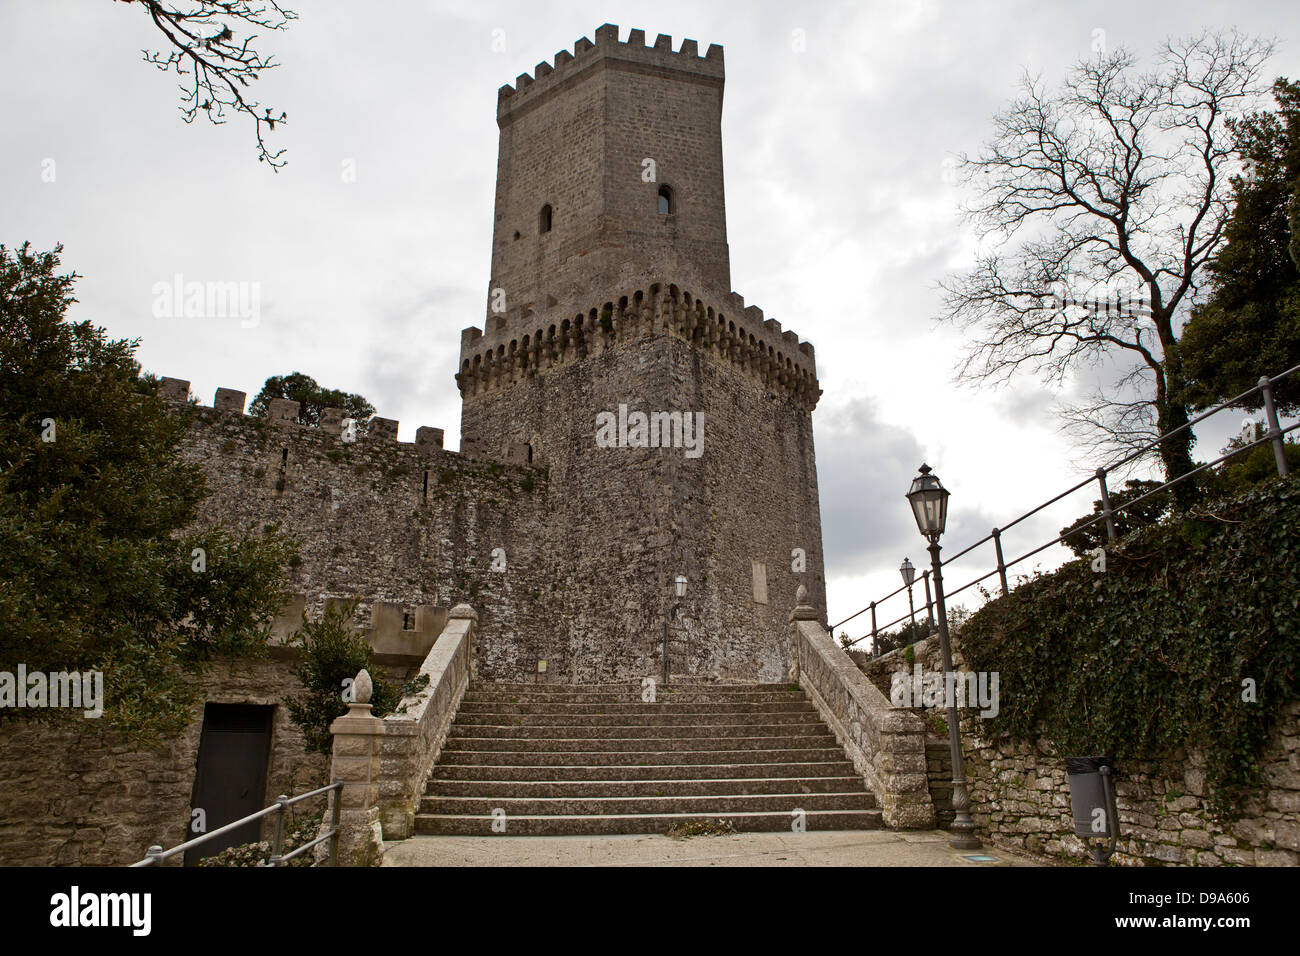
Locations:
(75, 796)
(400, 526)
(1020, 796)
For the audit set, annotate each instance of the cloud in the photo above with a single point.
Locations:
(864, 467)
(839, 217)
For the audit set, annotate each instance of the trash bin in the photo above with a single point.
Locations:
(1091, 790)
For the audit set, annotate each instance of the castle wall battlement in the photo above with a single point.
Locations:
(412, 528)
(741, 335)
(529, 89)
(284, 412)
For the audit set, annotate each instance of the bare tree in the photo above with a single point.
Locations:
(1098, 208)
(217, 64)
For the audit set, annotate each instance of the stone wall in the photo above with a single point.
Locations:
(70, 795)
(576, 135)
(623, 521)
(409, 528)
(1020, 796)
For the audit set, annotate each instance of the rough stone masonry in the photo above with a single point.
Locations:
(610, 287)
(610, 294)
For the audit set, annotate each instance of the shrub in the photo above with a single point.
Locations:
(332, 652)
(1154, 656)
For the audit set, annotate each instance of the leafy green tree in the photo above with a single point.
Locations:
(1235, 474)
(101, 567)
(312, 398)
(1250, 326)
(332, 652)
(1081, 540)
(1250, 467)
(908, 633)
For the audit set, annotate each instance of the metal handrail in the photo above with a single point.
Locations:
(1275, 435)
(156, 854)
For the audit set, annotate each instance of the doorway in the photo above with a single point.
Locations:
(230, 779)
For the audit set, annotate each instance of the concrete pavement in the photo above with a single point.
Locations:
(816, 848)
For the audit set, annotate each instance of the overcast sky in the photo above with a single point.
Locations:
(841, 217)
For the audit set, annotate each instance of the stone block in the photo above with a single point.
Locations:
(428, 439)
(1169, 854)
(1286, 834)
(174, 390)
(331, 422)
(1276, 858)
(230, 401)
(282, 411)
(382, 429)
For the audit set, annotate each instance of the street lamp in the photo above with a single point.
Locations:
(929, 501)
(909, 575)
(679, 589)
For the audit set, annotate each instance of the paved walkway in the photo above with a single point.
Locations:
(824, 848)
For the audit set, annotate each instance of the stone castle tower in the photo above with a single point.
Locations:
(610, 295)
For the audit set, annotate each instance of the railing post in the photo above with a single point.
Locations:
(154, 855)
(873, 624)
(1002, 567)
(1274, 429)
(1105, 505)
(277, 841)
(929, 606)
(334, 823)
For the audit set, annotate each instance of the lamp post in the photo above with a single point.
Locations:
(679, 589)
(929, 501)
(909, 575)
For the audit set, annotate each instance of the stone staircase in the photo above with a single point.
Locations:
(592, 759)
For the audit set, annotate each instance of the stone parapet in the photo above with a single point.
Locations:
(518, 346)
(886, 745)
(607, 52)
(414, 735)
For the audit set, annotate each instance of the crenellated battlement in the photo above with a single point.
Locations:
(501, 356)
(607, 50)
(283, 412)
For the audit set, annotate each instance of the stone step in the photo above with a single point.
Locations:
(628, 687)
(471, 738)
(591, 759)
(806, 772)
(719, 786)
(534, 757)
(593, 729)
(768, 821)
(616, 806)
(671, 706)
(633, 696)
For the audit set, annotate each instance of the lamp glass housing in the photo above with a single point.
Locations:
(929, 500)
(908, 572)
